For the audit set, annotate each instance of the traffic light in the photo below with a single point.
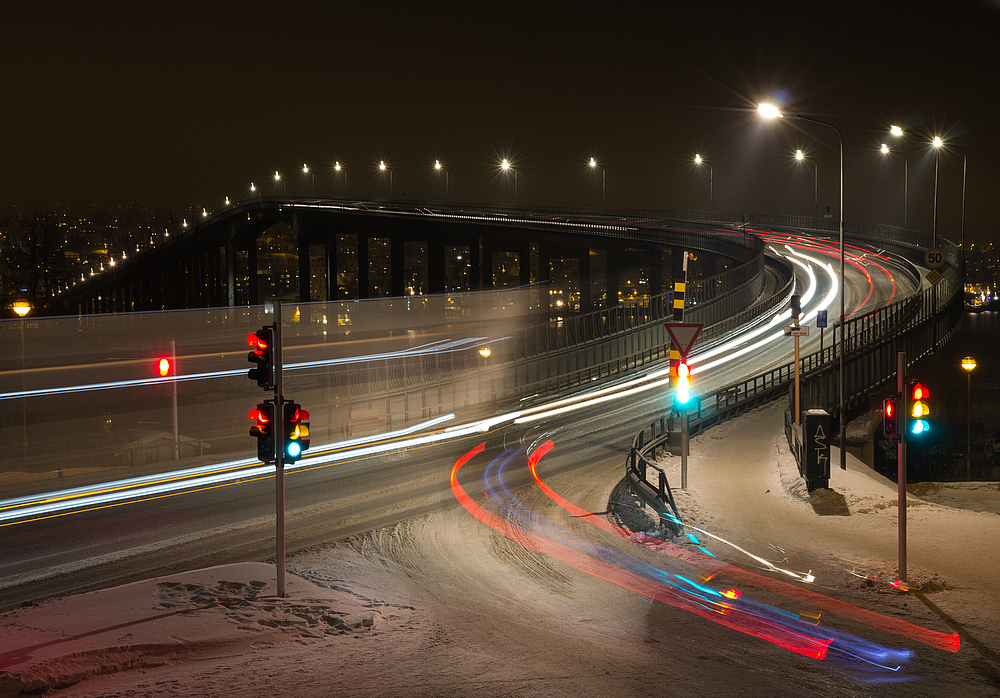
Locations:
(796, 306)
(682, 394)
(296, 431)
(262, 356)
(918, 407)
(263, 429)
(163, 366)
(890, 406)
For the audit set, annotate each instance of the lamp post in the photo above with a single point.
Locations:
(440, 168)
(969, 363)
(22, 307)
(604, 180)
(338, 169)
(769, 111)
(382, 167)
(711, 183)
(937, 143)
(312, 180)
(505, 166)
(800, 156)
(906, 173)
(277, 183)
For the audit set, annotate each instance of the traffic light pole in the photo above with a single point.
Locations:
(901, 460)
(279, 454)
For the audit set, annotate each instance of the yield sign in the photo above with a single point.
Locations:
(683, 334)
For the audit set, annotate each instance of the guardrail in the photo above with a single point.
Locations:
(638, 463)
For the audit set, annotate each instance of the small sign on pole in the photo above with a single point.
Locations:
(821, 320)
(683, 335)
(797, 331)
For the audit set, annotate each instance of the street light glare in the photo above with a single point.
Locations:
(697, 159)
(305, 169)
(276, 176)
(884, 149)
(799, 155)
(769, 111)
(937, 142)
(381, 165)
(593, 162)
(437, 164)
(505, 165)
(968, 363)
(337, 167)
(896, 130)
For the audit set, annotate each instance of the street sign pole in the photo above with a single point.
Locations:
(684, 449)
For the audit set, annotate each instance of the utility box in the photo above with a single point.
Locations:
(815, 463)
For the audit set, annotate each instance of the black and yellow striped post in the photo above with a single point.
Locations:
(679, 288)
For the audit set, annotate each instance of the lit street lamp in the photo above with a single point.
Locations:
(711, 183)
(769, 111)
(505, 166)
(438, 167)
(968, 363)
(604, 180)
(337, 169)
(937, 143)
(906, 172)
(801, 156)
(312, 180)
(382, 167)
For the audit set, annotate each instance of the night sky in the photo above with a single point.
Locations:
(181, 103)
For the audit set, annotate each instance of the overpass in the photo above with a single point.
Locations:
(79, 392)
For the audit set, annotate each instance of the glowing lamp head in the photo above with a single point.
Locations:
(769, 111)
(884, 149)
(163, 366)
(697, 159)
(505, 165)
(895, 130)
(381, 165)
(799, 155)
(485, 352)
(21, 307)
(593, 162)
(937, 142)
(336, 167)
(305, 169)
(437, 164)
(277, 176)
(968, 363)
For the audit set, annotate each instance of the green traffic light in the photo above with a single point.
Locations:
(919, 426)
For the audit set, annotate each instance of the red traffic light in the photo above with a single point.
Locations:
(164, 366)
(918, 391)
(257, 341)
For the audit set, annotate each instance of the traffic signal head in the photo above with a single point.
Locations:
(890, 407)
(796, 306)
(263, 429)
(918, 407)
(682, 394)
(163, 366)
(296, 431)
(262, 356)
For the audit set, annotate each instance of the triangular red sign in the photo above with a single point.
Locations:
(683, 334)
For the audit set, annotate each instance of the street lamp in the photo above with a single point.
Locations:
(604, 179)
(312, 180)
(968, 363)
(440, 168)
(21, 307)
(801, 156)
(906, 170)
(505, 166)
(711, 183)
(937, 143)
(769, 111)
(337, 168)
(382, 167)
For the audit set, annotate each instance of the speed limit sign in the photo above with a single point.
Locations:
(934, 258)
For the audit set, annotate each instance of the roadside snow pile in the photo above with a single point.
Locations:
(219, 611)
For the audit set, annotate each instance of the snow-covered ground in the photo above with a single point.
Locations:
(387, 613)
